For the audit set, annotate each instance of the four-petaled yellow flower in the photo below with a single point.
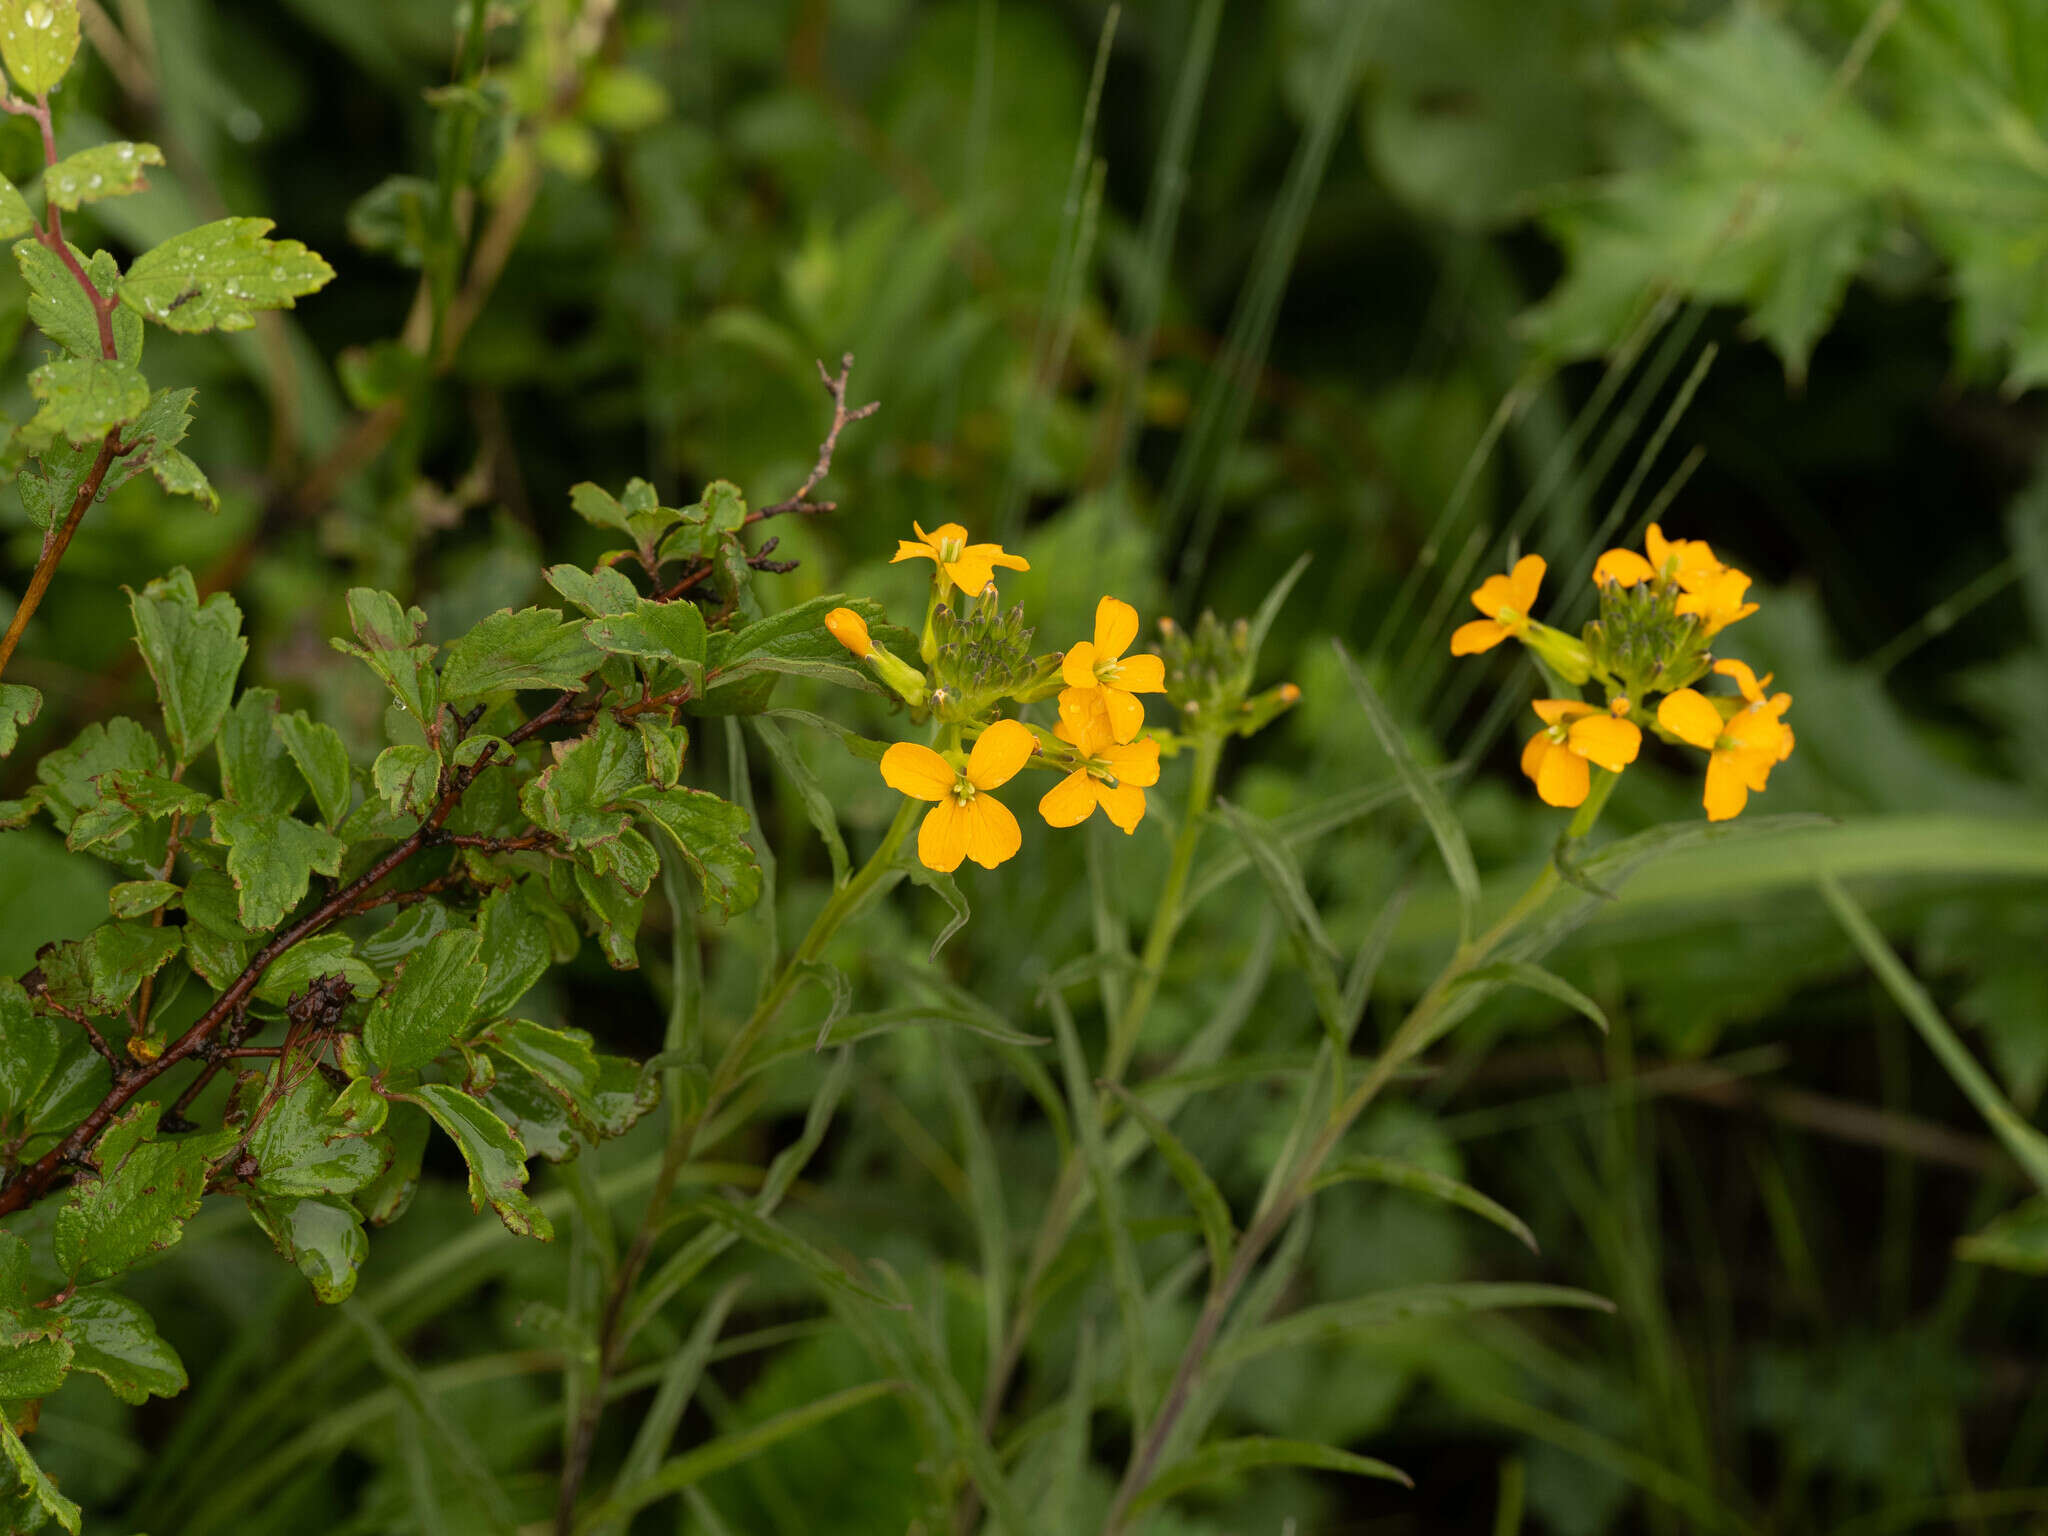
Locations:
(970, 567)
(1111, 774)
(1574, 735)
(1506, 601)
(1716, 600)
(1743, 748)
(1685, 561)
(965, 821)
(1103, 668)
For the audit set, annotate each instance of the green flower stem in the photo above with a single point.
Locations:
(1416, 1032)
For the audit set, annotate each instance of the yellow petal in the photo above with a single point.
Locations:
(905, 550)
(1745, 678)
(1125, 804)
(1526, 581)
(1726, 793)
(1602, 739)
(944, 534)
(1538, 747)
(1141, 674)
(1079, 666)
(993, 834)
(995, 554)
(1069, 802)
(1479, 635)
(942, 840)
(1126, 714)
(850, 630)
(1084, 720)
(918, 772)
(1562, 779)
(1494, 594)
(1623, 567)
(970, 573)
(1687, 715)
(1003, 748)
(1116, 626)
(1550, 711)
(1136, 764)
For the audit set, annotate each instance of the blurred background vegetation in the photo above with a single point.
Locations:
(1399, 283)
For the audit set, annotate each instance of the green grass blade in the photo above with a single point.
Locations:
(1383, 1309)
(1427, 1181)
(816, 803)
(1211, 1209)
(1230, 1458)
(1524, 973)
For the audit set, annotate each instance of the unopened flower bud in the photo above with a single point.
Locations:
(850, 630)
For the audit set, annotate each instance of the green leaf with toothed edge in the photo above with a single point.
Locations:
(514, 947)
(16, 219)
(59, 306)
(38, 39)
(34, 1492)
(325, 954)
(137, 1199)
(408, 777)
(497, 1162)
(256, 768)
(272, 860)
(116, 1340)
(391, 648)
(19, 706)
(105, 170)
(300, 1151)
(428, 1007)
(711, 835)
(50, 1077)
(322, 761)
(193, 650)
(533, 648)
(83, 398)
(219, 275)
(672, 632)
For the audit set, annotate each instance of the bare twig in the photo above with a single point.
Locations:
(841, 417)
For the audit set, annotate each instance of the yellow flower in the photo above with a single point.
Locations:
(970, 567)
(1716, 600)
(1103, 668)
(1506, 601)
(1685, 561)
(965, 821)
(1112, 774)
(1744, 748)
(850, 630)
(1574, 735)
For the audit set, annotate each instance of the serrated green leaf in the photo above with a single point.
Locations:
(1232, 1458)
(63, 312)
(515, 950)
(38, 39)
(601, 592)
(322, 762)
(390, 637)
(321, 1234)
(710, 833)
(408, 778)
(116, 1340)
(672, 632)
(636, 511)
(16, 218)
(119, 955)
(127, 799)
(194, 651)
(535, 1113)
(497, 1162)
(220, 274)
(613, 914)
(35, 1488)
(533, 648)
(19, 706)
(136, 1200)
(1522, 973)
(626, 1090)
(272, 860)
(324, 954)
(299, 1150)
(105, 170)
(256, 770)
(82, 398)
(50, 482)
(427, 1008)
(139, 898)
(32, 1364)
(50, 1077)
(560, 1058)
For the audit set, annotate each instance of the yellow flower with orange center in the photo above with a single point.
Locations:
(1103, 667)
(965, 821)
(970, 567)
(1576, 738)
(1109, 773)
(1743, 748)
(1506, 601)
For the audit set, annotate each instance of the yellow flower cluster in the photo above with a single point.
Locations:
(1658, 611)
(978, 662)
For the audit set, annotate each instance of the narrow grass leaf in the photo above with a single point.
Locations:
(1524, 973)
(1426, 1181)
(1211, 1209)
(1269, 610)
(1283, 880)
(816, 803)
(1408, 1304)
(1231, 1458)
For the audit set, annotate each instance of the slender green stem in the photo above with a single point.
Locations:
(1123, 1040)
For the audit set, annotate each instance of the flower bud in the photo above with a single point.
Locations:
(1566, 655)
(850, 630)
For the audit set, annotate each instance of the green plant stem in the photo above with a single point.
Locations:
(685, 1131)
(1414, 1035)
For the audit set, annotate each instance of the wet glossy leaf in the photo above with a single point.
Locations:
(497, 1162)
(271, 860)
(139, 898)
(138, 1198)
(408, 777)
(322, 761)
(386, 1198)
(105, 170)
(300, 1150)
(116, 1340)
(220, 274)
(390, 646)
(533, 648)
(710, 833)
(429, 1005)
(35, 1493)
(323, 1235)
(63, 313)
(38, 39)
(672, 632)
(256, 768)
(82, 398)
(515, 950)
(194, 651)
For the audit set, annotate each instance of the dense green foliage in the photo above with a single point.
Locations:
(476, 1050)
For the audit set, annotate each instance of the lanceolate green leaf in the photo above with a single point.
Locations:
(497, 1163)
(219, 275)
(1232, 1458)
(770, 1235)
(194, 651)
(1383, 1309)
(428, 1006)
(1427, 1181)
(1523, 973)
(1211, 1209)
